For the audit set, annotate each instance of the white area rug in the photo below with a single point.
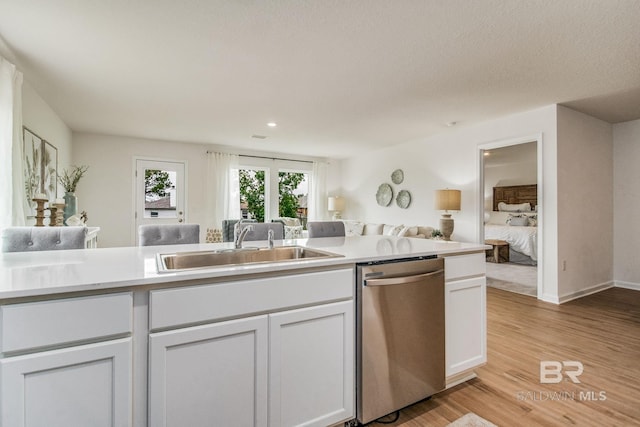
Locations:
(522, 279)
(471, 420)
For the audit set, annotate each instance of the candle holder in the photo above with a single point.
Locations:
(59, 214)
(52, 214)
(39, 210)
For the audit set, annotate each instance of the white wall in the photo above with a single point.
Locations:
(106, 191)
(585, 203)
(519, 169)
(451, 159)
(626, 196)
(38, 116)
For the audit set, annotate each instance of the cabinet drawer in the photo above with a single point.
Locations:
(200, 304)
(459, 266)
(58, 322)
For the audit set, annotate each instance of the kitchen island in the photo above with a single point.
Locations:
(255, 344)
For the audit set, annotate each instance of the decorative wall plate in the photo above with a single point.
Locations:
(403, 199)
(384, 195)
(397, 176)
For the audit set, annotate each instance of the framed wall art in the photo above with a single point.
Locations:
(40, 168)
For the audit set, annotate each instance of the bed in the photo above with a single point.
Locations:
(514, 220)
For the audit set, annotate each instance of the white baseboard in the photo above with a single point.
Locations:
(584, 292)
(627, 285)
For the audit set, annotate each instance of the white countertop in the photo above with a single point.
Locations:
(29, 274)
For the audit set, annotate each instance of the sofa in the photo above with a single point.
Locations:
(359, 228)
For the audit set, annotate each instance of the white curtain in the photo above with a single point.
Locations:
(12, 193)
(223, 192)
(318, 192)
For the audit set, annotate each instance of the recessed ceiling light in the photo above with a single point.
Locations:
(486, 153)
(258, 136)
(272, 124)
(451, 124)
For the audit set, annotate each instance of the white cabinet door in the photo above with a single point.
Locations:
(465, 324)
(311, 365)
(208, 375)
(86, 385)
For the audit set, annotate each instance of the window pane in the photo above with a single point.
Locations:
(252, 193)
(293, 194)
(159, 193)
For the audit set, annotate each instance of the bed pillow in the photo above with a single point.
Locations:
(521, 207)
(518, 220)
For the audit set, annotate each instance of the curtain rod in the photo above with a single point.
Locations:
(268, 158)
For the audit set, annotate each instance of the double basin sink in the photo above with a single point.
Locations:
(180, 261)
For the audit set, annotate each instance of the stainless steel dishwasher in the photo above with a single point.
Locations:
(400, 334)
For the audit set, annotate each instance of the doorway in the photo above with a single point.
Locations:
(511, 213)
(160, 194)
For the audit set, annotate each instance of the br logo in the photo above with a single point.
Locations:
(551, 371)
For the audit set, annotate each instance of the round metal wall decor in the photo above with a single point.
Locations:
(397, 176)
(384, 195)
(403, 199)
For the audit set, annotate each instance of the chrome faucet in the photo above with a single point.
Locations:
(240, 233)
(270, 238)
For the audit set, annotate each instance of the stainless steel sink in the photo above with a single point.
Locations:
(180, 261)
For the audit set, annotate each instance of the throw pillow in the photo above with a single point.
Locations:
(372, 229)
(408, 232)
(392, 230)
(353, 228)
(518, 220)
(533, 220)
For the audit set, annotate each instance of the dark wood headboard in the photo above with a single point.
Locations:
(516, 194)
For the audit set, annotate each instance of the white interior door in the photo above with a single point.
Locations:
(160, 193)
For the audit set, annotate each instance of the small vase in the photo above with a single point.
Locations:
(70, 205)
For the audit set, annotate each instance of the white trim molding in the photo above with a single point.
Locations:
(627, 285)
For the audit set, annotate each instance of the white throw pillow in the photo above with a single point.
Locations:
(370, 229)
(408, 232)
(353, 228)
(518, 220)
(392, 230)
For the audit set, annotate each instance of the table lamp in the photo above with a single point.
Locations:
(447, 200)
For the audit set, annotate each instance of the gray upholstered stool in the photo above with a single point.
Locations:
(261, 231)
(168, 234)
(325, 229)
(28, 239)
(228, 226)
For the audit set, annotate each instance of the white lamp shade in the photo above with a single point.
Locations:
(335, 204)
(447, 200)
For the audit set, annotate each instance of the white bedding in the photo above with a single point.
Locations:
(520, 239)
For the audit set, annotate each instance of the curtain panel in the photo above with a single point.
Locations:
(223, 193)
(12, 192)
(318, 192)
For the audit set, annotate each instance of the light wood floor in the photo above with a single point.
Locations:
(602, 331)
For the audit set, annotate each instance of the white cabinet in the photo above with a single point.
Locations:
(86, 385)
(66, 362)
(276, 351)
(214, 374)
(311, 365)
(465, 315)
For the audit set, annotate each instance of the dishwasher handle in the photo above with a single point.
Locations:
(402, 280)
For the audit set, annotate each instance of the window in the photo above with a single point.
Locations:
(259, 175)
(253, 193)
(293, 189)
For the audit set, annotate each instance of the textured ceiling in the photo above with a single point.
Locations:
(337, 76)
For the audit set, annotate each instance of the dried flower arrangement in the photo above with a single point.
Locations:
(69, 179)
